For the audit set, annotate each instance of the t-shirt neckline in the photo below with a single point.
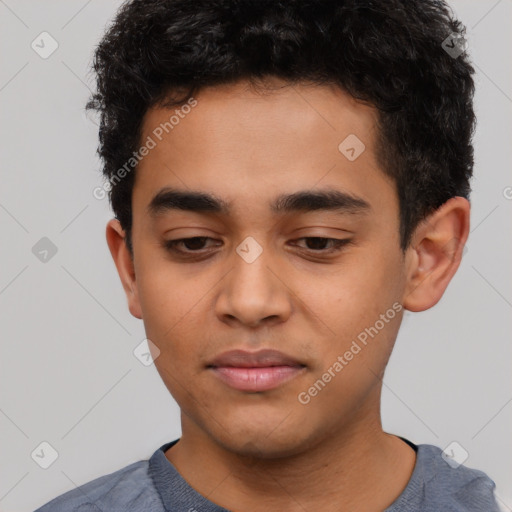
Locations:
(177, 494)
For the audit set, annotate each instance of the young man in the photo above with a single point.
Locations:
(287, 177)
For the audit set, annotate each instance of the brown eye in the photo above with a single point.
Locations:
(318, 244)
(196, 245)
(192, 245)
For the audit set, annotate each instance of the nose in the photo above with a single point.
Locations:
(254, 293)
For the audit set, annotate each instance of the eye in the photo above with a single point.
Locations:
(337, 244)
(195, 245)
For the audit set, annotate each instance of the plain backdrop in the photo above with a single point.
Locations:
(68, 374)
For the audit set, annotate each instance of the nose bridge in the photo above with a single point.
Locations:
(251, 291)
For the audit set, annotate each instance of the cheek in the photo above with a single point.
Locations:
(171, 303)
(354, 296)
(167, 291)
(359, 314)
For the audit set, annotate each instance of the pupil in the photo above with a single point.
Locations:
(194, 242)
(322, 242)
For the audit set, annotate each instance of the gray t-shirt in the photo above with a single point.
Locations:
(155, 485)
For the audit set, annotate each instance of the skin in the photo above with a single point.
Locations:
(265, 451)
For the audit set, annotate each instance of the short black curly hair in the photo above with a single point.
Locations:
(391, 54)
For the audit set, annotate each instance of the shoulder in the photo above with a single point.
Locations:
(129, 488)
(443, 484)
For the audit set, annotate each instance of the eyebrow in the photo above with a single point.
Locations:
(168, 199)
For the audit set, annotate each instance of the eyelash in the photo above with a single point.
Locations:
(338, 245)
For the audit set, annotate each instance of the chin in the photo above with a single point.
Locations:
(266, 440)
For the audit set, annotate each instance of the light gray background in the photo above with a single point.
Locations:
(68, 373)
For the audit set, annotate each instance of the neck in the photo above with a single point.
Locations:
(362, 468)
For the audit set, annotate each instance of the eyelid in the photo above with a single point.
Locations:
(337, 245)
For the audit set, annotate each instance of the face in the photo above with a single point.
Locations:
(318, 278)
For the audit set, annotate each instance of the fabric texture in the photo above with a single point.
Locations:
(155, 485)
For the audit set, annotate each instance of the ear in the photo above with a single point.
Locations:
(124, 264)
(435, 253)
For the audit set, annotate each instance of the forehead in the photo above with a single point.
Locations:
(241, 111)
(238, 142)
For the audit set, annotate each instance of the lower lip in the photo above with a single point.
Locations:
(256, 379)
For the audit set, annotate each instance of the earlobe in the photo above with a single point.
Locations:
(435, 253)
(125, 266)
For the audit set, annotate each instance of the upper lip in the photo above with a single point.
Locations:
(259, 359)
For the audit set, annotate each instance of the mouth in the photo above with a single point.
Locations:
(255, 371)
